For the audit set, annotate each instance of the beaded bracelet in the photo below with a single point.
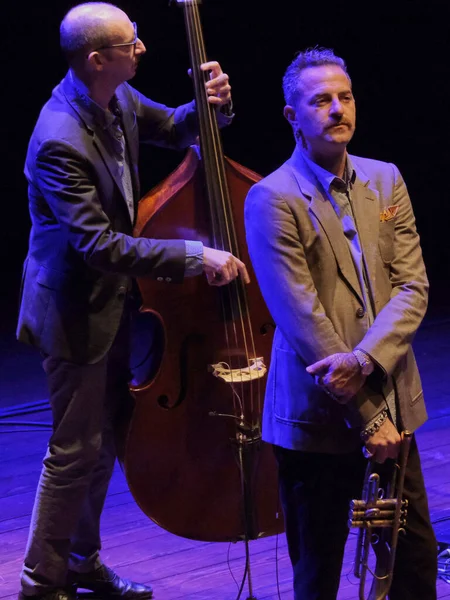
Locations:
(375, 426)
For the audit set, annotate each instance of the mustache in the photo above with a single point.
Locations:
(337, 123)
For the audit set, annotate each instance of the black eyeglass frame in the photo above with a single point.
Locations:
(133, 43)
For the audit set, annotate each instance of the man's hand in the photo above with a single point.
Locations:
(222, 267)
(339, 374)
(384, 443)
(218, 87)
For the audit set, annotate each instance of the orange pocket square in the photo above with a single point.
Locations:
(390, 212)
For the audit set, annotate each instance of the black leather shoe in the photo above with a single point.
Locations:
(105, 584)
(58, 594)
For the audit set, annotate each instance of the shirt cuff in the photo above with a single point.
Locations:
(194, 258)
(227, 109)
(225, 115)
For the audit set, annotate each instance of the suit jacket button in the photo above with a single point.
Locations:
(160, 279)
(122, 290)
(168, 279)
(360, 312)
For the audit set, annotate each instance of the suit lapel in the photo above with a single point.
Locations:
(99, 136)
(366, 210)
(101, 142)
(324, 212)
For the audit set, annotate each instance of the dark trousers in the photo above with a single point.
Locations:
(315, 491)
(77, 468)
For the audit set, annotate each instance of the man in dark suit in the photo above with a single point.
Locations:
(81, 168)
(333, 241)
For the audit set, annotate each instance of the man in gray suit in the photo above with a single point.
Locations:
(333, 241)
(81, 168)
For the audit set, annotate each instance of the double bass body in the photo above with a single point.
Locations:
(193, 455)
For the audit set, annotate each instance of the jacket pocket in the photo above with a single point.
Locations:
(416, 398)
(386, 241)
(296, 398)
(52, 279)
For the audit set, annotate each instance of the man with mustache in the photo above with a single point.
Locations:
(81, 168)
(333, 241)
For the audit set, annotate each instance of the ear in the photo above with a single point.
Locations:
(290, 115)
(95, 61)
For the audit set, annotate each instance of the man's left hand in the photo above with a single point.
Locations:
(218, 87)
(339, 374)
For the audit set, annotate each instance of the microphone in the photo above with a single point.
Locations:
(244, 424)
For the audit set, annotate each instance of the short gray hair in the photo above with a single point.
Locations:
(311, 57)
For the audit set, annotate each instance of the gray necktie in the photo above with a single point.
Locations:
(345, 213)
(120, 150)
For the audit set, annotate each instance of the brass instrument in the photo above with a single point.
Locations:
(380, 517)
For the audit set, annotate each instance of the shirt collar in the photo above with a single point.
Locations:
(103, 118)
(327, 179)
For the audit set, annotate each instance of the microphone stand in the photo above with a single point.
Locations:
(247, 442)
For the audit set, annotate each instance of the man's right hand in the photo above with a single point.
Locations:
(339, 375)
(384, 443)
(222, 267)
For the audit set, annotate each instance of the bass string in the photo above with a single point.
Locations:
(240, 329)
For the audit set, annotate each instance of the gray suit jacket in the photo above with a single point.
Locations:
(82, 251)
(304, 268)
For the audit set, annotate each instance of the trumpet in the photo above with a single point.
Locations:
(380, 516)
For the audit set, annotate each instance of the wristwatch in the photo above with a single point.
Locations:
(365, 362)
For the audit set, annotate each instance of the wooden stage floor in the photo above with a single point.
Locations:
(179, 568)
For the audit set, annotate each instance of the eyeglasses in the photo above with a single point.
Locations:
(133, 43)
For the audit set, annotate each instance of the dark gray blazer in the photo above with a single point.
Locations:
(81, 251)
(306, 274)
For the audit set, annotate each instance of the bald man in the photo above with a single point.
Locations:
(82, 173)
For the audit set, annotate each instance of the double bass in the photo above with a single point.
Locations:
(193, 455)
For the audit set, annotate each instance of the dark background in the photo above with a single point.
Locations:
(397, 54)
